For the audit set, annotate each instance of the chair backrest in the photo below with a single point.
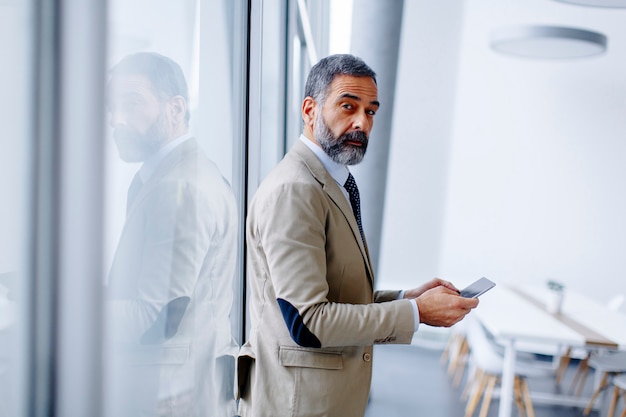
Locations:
(614, 361)
(482, 350)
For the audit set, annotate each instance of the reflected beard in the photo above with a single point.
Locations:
(338, 148)
(134, 146)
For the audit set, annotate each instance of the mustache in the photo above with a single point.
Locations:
(356, 136)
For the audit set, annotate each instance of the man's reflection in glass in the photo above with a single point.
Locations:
(170, 284)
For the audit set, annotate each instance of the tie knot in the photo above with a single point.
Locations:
(350, 184)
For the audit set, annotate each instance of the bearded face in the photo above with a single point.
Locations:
(136, 146)
(346, 149)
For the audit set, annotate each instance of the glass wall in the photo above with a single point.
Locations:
(174, 181)
(123, 181)
(15, 188)
(135, 132)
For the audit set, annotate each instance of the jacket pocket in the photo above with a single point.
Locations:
(309, 358)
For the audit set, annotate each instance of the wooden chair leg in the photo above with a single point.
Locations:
(471, 381)
(461, 365)
(530, 411)
(603, 384)
(457, 355)
(583, 378)
(453, 354)
(477, 389)
(445, 356)
(517, 390)
(624, 401)
(484, 409)
(563, 364)
(613, 403)
(583, 368)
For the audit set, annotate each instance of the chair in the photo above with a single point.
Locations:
(561, 355)
(613, 304)
(620, 389)
(456, 353)
(608, 365)
(488, 364)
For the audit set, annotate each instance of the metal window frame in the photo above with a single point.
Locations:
(65, 276)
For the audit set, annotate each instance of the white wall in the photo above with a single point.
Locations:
(420, 143)
(533, 176)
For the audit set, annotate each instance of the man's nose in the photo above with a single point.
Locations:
(361, 122)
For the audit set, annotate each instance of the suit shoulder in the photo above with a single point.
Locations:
(290, 171)
(290, 180)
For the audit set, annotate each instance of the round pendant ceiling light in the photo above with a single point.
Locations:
(547, 42)
(597, 3)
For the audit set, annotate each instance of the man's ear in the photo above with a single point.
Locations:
(178, 108)
(309, 109)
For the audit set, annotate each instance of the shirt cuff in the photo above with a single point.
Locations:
(416, 313)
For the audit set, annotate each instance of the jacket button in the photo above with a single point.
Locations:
(367, 357)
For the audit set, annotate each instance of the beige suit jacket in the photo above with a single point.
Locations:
(314, 314)
(179, 241)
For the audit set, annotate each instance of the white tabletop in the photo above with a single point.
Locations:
(588, 312)
(508, 315)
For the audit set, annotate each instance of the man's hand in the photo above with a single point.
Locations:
(443, 307)
(433, 283)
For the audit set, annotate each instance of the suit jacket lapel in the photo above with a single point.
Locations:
(170, 160)
(330, 186)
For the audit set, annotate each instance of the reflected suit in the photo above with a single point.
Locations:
(170, 291)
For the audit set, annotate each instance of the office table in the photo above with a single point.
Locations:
(516, 314)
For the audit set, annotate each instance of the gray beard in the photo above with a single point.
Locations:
(337, 148)
(134, 146)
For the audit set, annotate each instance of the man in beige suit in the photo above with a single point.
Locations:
(314, 313)
(169, 291)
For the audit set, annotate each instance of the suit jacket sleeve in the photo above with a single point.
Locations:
(292, 226)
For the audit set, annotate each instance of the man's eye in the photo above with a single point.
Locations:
(371, 112)
(347, 106)
(129, 105)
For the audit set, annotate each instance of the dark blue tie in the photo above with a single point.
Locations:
(355, 201)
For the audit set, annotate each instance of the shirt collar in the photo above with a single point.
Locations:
(150, 164)
(339, 172)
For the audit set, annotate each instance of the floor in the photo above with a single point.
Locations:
(410, 380)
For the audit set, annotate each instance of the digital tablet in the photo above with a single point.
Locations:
(477, 288)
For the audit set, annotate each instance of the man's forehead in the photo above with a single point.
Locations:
(123, 87)
(364, 88)
(123, 83)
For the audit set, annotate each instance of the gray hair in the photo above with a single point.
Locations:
(324, 72)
